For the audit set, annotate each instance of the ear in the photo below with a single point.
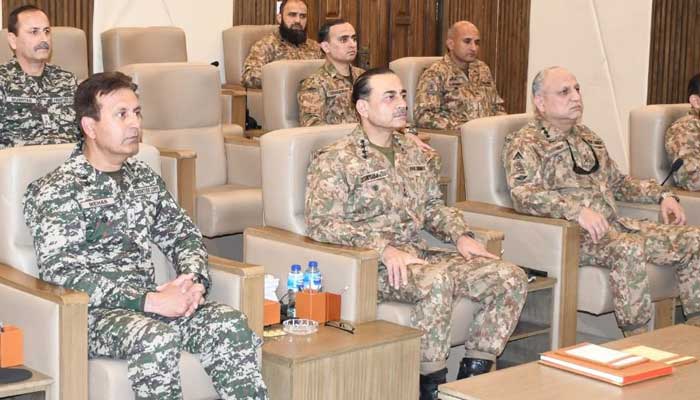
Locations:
(325, 46)
(362, 108)
(88, 125)
(694, 101)
(12, 40)
(450, 43)
(538, 102)
(279, 18)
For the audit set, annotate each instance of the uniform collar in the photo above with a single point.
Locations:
(362, 144)
(84, 170)
(333, 72)
(550, 132)
(14, 64)
(449, 61)
(695, 113)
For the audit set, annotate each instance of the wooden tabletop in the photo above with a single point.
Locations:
(331, 341)
(534, 381)
(37, 382)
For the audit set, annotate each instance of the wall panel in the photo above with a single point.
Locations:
(253, 12)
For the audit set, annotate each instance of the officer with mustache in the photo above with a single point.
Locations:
(36, 98)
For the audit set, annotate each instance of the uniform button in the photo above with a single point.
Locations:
(375, 188)
(105, 219)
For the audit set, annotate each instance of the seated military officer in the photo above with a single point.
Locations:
(683, 141)
(36, 98)
(289, 43)
(375, 189)
(557, 167)
(93, 220)
(459, 87)
(324, 97)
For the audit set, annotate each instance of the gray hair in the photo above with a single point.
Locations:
(539, 80)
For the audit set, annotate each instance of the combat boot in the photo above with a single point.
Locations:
(429, 384)
(473, 366)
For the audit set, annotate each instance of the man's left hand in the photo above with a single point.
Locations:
(669, 206)
(469, 248)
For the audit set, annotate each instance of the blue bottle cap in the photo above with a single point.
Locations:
(296, 268)
(313, 264)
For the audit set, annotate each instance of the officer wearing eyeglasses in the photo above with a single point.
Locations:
(557, 167)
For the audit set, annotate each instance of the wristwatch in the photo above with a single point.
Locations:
(666, 195)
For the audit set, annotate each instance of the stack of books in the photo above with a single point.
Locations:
(619, 367)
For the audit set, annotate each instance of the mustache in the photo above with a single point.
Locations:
(42, 46)
(401, 112)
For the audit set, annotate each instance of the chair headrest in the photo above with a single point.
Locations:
(409, 70)
(237, 43)
(155, 44)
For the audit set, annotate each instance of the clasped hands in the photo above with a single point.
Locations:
(179, 297)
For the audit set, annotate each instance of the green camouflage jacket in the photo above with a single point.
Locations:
(326, 97)
(36, 110)
(447, 97)
(93, 235)
(355, 197)
(683, 141)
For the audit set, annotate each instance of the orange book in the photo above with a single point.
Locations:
(597, 370)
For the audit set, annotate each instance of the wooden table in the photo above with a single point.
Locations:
(35, 387)
(379, 361)
(534, 381)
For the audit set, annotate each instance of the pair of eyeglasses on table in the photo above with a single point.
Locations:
(342, 325)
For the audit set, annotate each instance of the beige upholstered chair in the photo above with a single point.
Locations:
(281, 81)
(179, 105)
(285, 155)
(237, 43)
(648, 157)
(69, 50)
(409, 70)
(54, 319)
(529, 239)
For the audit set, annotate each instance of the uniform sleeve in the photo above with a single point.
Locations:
(527, 190)
(428, 112)
(327, 192)
(179, 239)
(497, 103)
(260, 54)
(445, 223)
(312, 103)
(58, 227)
(682, 142)
(627, 188)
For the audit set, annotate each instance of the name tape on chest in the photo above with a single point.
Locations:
(417, 168)
(143, 191)
(374, 176)
(66, 101)
(338, 92)
(107, 201)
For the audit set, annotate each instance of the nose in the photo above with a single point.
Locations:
(576, 95)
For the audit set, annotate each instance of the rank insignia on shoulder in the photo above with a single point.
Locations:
(518, 156)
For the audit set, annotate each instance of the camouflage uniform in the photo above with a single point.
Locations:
(94, 235)
(356, 197)
(326, 97)
(36, 110)
(539, 170)
(447, 96)
(683, 141)
(273, 48)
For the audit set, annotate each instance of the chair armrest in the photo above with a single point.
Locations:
(492, 239)
(243, 161)
(54, 321)
(546, 244)
(240, 286)
(342, 267)
(233, 106)
(640, 211)
(254, 133)
(179, 172)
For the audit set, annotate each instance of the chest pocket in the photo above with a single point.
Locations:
(558, 169)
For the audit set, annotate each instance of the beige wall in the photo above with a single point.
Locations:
(203, 23)
(606, 45)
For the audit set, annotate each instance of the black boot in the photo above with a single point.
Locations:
(429, 384)
(473, 366)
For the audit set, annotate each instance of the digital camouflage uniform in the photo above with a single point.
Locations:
(274, 48)
(447, 97)
(356, 197)
(539, 170)
(683, 141)
(93, 235)
(325, 98)
(36, 110)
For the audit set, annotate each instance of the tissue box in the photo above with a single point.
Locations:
(271, 313)
(11, 347)
(318, 306)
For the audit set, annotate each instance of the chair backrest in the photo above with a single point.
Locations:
(69, 50)
(181, 110)
(409, 70)
(286, 154)
(19, 166)
(280, 87)
(154, 44)
(237, 43)
(648, 126)
(482, 144)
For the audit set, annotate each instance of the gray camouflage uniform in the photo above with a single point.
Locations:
(356, 197)
(36, 110)
(539, 169)
(94, 235)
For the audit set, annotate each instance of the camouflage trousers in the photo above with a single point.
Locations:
(627, 249)
(151, 345)
(497, 287)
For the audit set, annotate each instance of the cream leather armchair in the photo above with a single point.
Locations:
(237, 43)
(281, 81)
(546, 244)
(69, 50)
(54, 319)
(285, 156)
(445, 142)
(179, 105)
(648, 157)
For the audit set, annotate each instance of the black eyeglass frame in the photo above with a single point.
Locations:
(577, 169)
